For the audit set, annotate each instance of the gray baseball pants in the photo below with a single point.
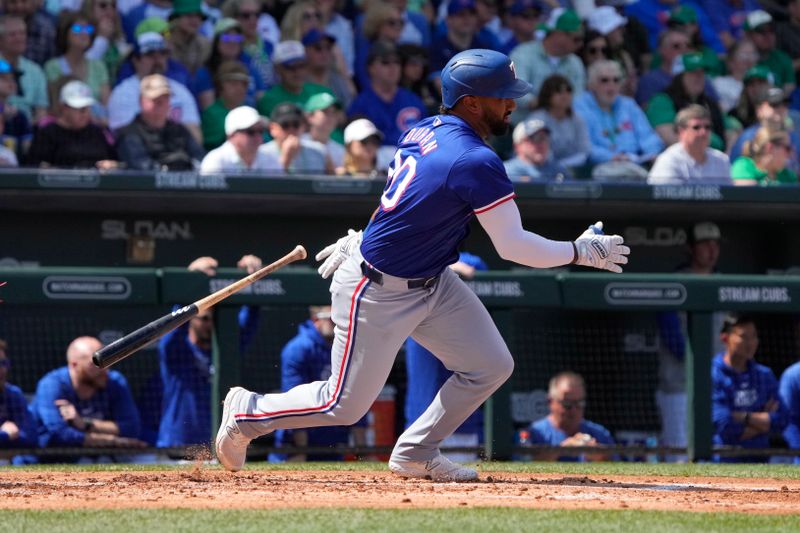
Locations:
(372, 323)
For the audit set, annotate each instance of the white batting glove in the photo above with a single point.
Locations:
(597, 250)
(335, 254)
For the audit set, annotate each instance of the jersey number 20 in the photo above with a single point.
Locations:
(401, 172)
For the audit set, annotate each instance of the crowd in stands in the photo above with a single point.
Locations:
(149, 85)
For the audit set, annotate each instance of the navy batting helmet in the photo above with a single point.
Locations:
(480, 72)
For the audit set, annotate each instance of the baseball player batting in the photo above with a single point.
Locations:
(394, 282)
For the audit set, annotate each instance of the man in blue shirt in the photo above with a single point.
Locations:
(390, 107)
(746, 406)
(790, 396)
(185, 360)
(565, 425)
(15, 423)
(81, 405)
(306, 358)
(394, 282)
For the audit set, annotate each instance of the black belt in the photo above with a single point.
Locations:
(416, 283)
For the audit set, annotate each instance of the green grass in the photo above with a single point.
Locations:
(361, 520)
(609, 469)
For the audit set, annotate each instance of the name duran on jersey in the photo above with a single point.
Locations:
(442, 175)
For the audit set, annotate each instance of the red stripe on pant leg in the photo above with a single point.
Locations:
(342, 367)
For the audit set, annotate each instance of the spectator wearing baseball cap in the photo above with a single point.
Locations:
(523, 17)
(461, 32)
(231, 84)
(771, 110)
(152, 141)
(688, 86)
(72, 141)
(691, 160)
(760, 29)
(227, 45)
(150, 57)
(323, 115)
(607, 21)
(390, 107)
(174, 70)
(295, 153)
(554, 54)
(148, 9)
(533, 160)
(655, 16)
(189, 47)
(684, 18)
(292, 68)
(362, 141)
(322, 68)
(243, 149)
(756, 81)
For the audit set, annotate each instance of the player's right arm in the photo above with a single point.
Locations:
(503, 224)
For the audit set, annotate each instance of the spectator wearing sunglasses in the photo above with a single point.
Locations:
(606, 21)
(73, 39)
(684, 18)
(295, 153)
(291, 65)
(16, 430)
(462, 28)
(595, 48)
(382, 22)
(249, 14)
(619, 134)
(228, 45)
(765, 160)
(362, 141)
(554, 54)
(523, 16)
(566, 426)
(109, 44)
(569, 137)
(242, 152)
(672, 43)
(189, 47)
(771, 109)
(152, 142)
(174, 70)
(185, 361)
(151, 56)
(322, 68)
(32, 98)
(391, 108)
(759, 28)
(691, 160)
(533, 160)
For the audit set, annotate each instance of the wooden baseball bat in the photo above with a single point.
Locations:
(130, 343)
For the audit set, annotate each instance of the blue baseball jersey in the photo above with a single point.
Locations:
(14, 408)
(790, 395)
(426, 374)
(114, 403)
(391, 118)
(743, 391)
(543, 432)
(442, 175)
(186, 377)
(307, 358)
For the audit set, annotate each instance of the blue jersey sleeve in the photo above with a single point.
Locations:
(292, 365)
(54, 430)
(19, 415)
(479, 179)
(790, 395)
(123, 408)
(721, 406)
(779, 418)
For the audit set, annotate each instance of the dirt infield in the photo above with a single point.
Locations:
(205, 488)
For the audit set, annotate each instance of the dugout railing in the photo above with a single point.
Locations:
(551, 321)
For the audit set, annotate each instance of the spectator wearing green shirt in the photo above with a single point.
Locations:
(761, 31)
(764, 160)
(687, 87)
(292, 67)
(231, 82)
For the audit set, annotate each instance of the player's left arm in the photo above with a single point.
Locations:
(503, 224)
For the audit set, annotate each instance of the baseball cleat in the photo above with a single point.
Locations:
(440, 468)
(231, 444)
